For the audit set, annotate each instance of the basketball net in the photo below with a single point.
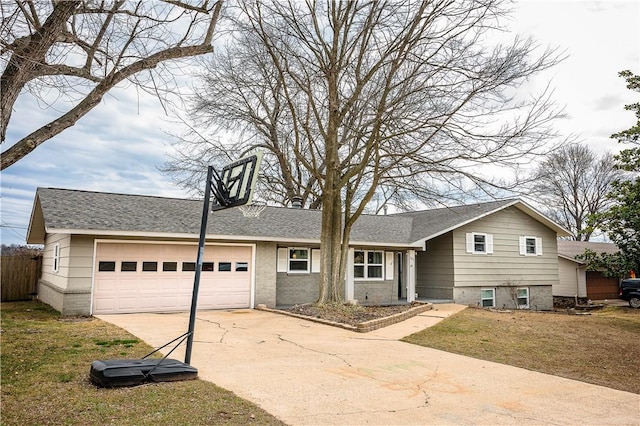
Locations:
(252, 210)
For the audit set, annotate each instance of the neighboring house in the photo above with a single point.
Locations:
(116, 253)
(575, 280)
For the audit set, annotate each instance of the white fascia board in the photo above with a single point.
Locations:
(571, 259)
(353, 243)
(169, 236)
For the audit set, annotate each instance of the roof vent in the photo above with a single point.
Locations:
(296, 202)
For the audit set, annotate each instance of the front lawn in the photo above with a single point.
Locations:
(45, 378)
(602, 347)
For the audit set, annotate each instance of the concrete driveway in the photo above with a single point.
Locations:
(311, 374)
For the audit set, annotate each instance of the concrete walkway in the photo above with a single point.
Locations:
(312, 374)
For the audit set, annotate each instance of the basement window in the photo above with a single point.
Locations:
(488, 297)
(523, 298)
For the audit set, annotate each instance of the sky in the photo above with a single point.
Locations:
(119, 146)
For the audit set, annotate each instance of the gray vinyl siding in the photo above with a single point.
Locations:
(68, 290)
(81, 262)
(435, 269)
(572, 277)
(506, 265)
(56, 279)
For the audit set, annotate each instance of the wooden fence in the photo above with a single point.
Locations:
(19, 276)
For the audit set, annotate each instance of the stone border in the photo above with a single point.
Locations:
(363, 327)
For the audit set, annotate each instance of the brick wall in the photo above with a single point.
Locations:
(265, 267)
(296, 289)
(540, 297)
(67, 302)
(375, 292)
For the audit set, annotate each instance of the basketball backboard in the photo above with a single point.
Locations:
(235, 185)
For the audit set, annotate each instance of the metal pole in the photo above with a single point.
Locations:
(196, 280)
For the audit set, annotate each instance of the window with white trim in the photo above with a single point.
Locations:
(298, 260)
(368, 264)
(56, 257)
(530, 246)
(479, 243)
(488, 297)
(523, 298)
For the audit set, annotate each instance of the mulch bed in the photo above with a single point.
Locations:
(346, 313)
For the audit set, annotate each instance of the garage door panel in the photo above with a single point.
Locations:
(164, 291)
(105, 304)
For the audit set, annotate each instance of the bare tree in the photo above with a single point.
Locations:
(83, 49)
(377, 98)
(573, 183)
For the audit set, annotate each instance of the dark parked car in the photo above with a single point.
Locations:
(630, 291)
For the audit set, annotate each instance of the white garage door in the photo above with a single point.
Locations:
(159, 277)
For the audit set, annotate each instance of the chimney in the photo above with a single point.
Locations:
(296, 202)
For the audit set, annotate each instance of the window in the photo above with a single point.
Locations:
(224, 266)
(56, 257)
(149, 266)
(530, 246)
(207, 266)
(298, 260)
(523, 298)
(367, 264)
(128, 266)
(488, 297)
(242, 266)
(293, 260)
(188, 266)
(169, 266)
(479, 243)
(106, 266)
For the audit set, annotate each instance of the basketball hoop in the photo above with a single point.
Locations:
(252, 210)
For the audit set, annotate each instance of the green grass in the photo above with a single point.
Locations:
(45, 378)
(601, 348)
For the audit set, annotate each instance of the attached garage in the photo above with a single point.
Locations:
(158, 277)
(600, 287)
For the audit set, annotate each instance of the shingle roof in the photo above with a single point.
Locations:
(431, 223)
(570, 249)
(96, 211)
(73, 211)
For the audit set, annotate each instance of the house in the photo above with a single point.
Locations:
(575, 280)
(117, 253)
